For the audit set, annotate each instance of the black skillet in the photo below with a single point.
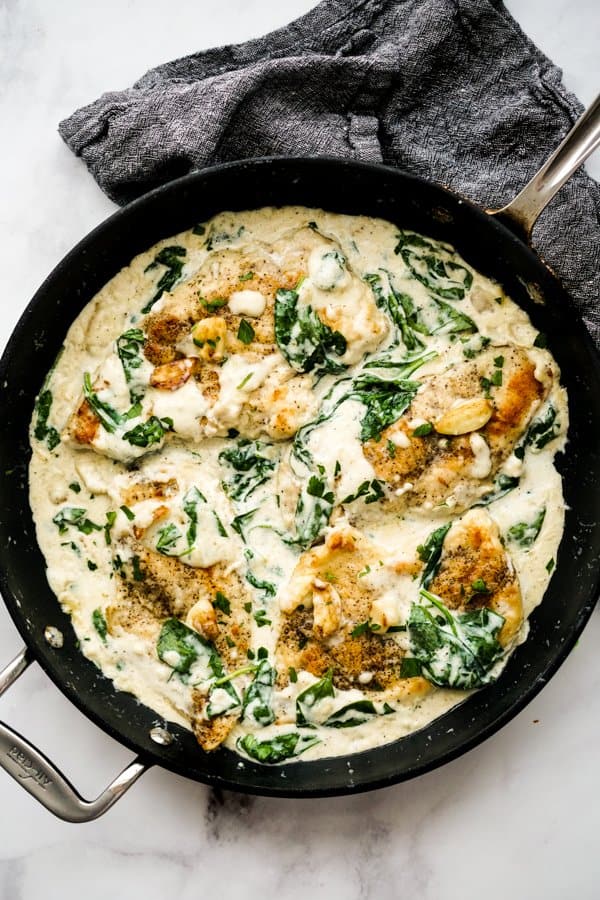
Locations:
(497, 246)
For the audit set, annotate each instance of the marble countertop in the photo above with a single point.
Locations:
(515, 817)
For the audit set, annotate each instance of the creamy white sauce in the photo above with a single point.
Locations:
(83, 579)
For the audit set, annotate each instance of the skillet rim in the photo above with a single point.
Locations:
(150, 752)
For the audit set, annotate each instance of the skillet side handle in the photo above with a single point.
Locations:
(579, 143)
(41, 778)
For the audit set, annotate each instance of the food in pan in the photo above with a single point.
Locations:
(293, 477)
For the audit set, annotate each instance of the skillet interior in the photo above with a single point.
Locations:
(338, 186)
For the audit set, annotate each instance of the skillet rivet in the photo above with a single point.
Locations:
(161, 736)
(53, 636)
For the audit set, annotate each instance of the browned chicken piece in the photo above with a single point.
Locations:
(326, 610)
(83, 425)
(153, 587)
(171, 376)
(477, 571)
(472, 434)
(210, 733)
(143, 489)
(205, 299)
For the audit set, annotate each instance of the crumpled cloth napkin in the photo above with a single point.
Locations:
(451, 90)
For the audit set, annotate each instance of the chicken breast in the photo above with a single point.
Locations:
(476, 571)
(460, 428)
(327, 609)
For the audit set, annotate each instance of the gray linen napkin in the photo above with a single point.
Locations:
(451, 90)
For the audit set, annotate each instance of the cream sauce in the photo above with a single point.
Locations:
(79, 565)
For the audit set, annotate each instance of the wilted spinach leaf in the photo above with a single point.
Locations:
(431, 552)
(310, 696)
(433, 266)
(75, 516)
(503, 485)
(526, 533)
(190, 508)
(252, 468)
(304, 340)
(150, 432)
(275, 750)
(43, 431)
(454, 650)
(99, 623)
(257, 698)
(172, 258)
(129, 348)
(385, 401)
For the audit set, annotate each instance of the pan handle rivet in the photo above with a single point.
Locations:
(161, 736)
(53, 636)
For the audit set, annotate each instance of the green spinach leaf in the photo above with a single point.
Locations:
(129, 349)
(74, 516)
(190, 508)
(433, 266)
(385, 401)
(312, 695)
(526, 533)
(172, 258)
(99, 623)
(43, 431)
(454, 650)
(304, 340)
(150, 432)
(431, 552)
(251, 467)
(256, 704)
(283, 746)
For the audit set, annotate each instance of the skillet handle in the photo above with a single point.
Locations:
(40, 777)
(579, 143)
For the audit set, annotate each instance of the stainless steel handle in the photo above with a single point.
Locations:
(580, 142)
(41, 778)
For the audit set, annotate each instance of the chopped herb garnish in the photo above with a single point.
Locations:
(480, 587)
(148, 433)
(91, 565)
(526, 533)
(246, 333)
(293, 675)
(168, 537)
(43, 431)
(111, 518)
(247, 276)
(127, 512)
(138, 574)
(221, 602)
(99, 623)
(220, 527)
(370, 491)
(260, 617)
(423, 430)
(76, 517)
(75, 487)
(244, 381)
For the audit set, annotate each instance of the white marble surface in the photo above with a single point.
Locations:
(516, 817)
